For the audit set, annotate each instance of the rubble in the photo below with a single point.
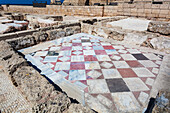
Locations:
(159, 27)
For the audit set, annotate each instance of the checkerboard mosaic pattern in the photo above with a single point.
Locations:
(101, 68)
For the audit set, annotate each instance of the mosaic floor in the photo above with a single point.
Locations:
(113, 74)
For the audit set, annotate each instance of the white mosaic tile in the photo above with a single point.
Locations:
(79, 58)
(135, 84)
(80, 85)
(62, 66)
(110, 73)
(111, 51)
(76, 47)
(118, 47)
(120, 64)
(86, 44)
(158, 62)
(155, 70)
(87, 47)
(143, 72)
(125, 102)
(105, 44)
(62, 73)
(41, 53)
(92, 65)
(105, 101)
(151, 56)
(49, 65)
(50, 59)
(77, 52)
(65, 53)
(67, 44)
(54, 48)
(143, 97)
(133, 51)
(114, 57)
(88, 52)
(103, 58)
(94, 74)
(77, 75)
(106, 64)
(148, 63)
(64, 58)
(97, 86)
(149, 81)
(76, 41)
(128, 57)
(122, 51)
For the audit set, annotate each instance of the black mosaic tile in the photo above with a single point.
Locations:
(85, 40)
(117, 85)
(32, 54)
(160, 56)
(52, 53)
(140, 57)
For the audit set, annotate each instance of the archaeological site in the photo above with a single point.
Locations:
(84, 56)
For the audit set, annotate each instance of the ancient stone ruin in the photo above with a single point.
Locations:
(85, 57)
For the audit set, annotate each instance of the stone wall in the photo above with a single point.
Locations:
(42, 95)
(152, 39)
(138, 9)
(33, 37)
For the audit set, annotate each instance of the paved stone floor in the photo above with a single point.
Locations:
(112, 77)
(11, 101)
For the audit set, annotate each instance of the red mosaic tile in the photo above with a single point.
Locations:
(143, 79)
(76, 44)
(150, 87)
(148, 92)
(77, 65)
(108, 96)
(90, 58)
(108, 47)
(88, 77)
(94, 95)
(134, 63)
(136, 94)
(84, 82)
(65, 48)
(127, 72)
(86, 90)
(66, 77)
(101, 77)
(100, 52)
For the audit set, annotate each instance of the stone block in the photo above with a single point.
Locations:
(162, 16)
(159, 27)
(22, 42)
(147, 11)
(156, 6)
(133, 10)
(164, 6)
(40, 36)
(148, 6)
(8, 36)
(165, 12)
(155, 11)
(140, 10)
(26, 32)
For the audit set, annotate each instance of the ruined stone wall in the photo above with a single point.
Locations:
(74, 2)
(29, 38)
(138, 9)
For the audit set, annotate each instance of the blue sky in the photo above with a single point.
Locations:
(21, 1)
